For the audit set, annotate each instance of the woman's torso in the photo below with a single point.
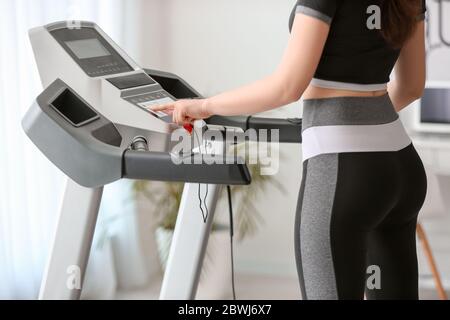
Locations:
(313, 92)
(356, 61)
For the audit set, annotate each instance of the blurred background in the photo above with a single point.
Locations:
(214, 45)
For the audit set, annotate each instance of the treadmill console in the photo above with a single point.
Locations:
(101, 60)
(91, 51)
(93, 65)
(139, 89)
(148, 100)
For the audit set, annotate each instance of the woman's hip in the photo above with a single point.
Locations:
(351, 125)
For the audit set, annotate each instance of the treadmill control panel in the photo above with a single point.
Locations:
(148, 100)
(132, 81)
(91, 51)
(97, 56)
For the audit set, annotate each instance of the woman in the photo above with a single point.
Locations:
(363, 182)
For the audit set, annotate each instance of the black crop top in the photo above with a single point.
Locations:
(355, 56)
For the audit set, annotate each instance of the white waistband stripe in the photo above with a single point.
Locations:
(348, 86)
(354, 138)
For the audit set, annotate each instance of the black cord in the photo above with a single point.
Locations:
(202, 201)
(207, 188)
(205, 202)
(205, 219)
(204, 216)
(230, 205)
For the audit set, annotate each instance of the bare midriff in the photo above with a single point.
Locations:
(313, 92)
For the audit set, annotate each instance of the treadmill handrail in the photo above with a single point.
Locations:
(160, 166)
(290, 130)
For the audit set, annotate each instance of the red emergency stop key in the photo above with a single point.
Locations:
(189, 128)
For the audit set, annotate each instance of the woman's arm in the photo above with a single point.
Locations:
(290, 79)
(285, 85)
(410, 71)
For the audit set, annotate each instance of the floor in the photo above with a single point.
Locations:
(250, 287)
(254, 287)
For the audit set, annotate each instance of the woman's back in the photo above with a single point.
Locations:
(356, 57)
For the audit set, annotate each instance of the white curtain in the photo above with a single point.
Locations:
(30, 186)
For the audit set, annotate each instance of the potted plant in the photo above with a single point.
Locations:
(166, 199)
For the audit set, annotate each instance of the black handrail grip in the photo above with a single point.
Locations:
(159, 166)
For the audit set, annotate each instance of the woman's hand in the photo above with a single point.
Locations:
(185, 111)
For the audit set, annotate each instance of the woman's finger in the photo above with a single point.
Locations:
(168, 112)
(164, 107)
(175, 116)
(180, 117)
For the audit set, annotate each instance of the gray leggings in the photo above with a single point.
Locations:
(358, 209)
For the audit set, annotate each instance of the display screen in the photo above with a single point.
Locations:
(435, 106)
(88, 48)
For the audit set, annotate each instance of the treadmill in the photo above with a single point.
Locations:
(94, 122)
